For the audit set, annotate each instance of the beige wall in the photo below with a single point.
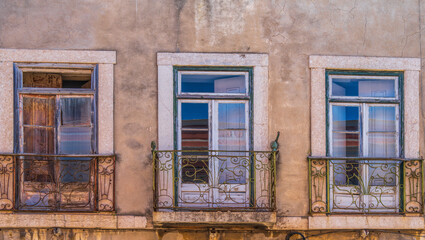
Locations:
(288, 31)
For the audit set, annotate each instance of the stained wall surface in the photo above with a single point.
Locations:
(288, 31)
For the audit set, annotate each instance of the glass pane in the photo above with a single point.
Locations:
(353, 87)
(382, 119)
(231, 116)
(383, 173)
(345, 145)
(37, 180)
(73, 140)
(57, 80)
(213, 83)
(232, 140)
(38, 111)
(75, 184)
(39, 140)
(232, 135)
(345, 118)
(195, 126)
(345, 172)
(195, 136)
(74, 170)
(382, 145)
(194, 168)
(76, 111)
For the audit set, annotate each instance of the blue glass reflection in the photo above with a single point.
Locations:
(198, 83)
(363, 87)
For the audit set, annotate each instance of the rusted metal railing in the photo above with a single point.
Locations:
(32, 182)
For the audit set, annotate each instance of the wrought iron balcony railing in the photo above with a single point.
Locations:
(57, 182)
(365, 185)
(214, 180)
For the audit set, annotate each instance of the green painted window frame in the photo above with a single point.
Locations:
(250, 71)
(398, 74)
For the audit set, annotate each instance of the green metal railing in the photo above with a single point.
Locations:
(365, 185)
(214, 180)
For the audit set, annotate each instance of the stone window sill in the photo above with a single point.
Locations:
(214, 218)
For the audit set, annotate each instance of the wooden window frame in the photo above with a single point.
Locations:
(57, 94)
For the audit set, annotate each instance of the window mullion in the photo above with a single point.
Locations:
(365, 153)
(56, 165)
(214, 165)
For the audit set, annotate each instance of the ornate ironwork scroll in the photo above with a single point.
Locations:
(413, 180)
(56, 183)
(106, 179)
(318, 184)
(211, 179)
(7, 171)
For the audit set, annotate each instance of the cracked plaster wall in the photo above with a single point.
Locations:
(289, 31)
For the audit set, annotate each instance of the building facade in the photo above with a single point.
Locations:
(211, 119)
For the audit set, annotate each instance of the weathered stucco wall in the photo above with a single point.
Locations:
(289, 31)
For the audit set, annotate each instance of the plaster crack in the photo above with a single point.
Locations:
(364, 32)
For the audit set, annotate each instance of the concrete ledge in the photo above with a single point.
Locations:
(57, 56)
(213, 59)
(71, 220)
(365, 63)
(365, 222)
(215, 218)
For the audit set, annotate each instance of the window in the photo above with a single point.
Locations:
(212, 131)
(57, 118)
(365, 135)
(364, 121)
(57, 130)
(206, 121)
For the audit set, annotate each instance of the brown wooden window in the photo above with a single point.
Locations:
(55, 130)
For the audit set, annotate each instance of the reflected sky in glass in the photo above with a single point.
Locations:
(208, 83)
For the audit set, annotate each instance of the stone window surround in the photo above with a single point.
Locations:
(166, 61)
(259, 62)
(105, 61)
(411, 68)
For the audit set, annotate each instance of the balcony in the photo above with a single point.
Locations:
(79, 183)
(210, 180)
(365, 185)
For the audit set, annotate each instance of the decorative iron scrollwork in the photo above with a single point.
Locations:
(413, 186)
(202, 179)
(318, 171)
(365, 185)
(106, 175)
(7, 169)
